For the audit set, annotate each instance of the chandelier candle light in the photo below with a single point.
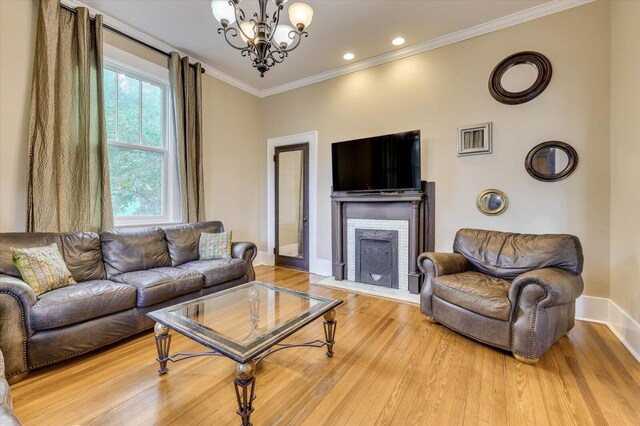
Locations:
(262, 38)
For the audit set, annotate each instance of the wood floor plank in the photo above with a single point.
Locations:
(390, 367)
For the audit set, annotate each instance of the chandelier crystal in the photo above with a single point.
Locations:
(262, 38)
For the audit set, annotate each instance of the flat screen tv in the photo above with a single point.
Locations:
(381, 163)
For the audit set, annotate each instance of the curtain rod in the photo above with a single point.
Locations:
(125, 35)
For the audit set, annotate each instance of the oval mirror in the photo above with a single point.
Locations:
(520, 78)
(492, 202)
(551, 161)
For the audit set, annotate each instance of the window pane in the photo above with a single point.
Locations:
(136, 181)
(151, 115)
(128, 109)
(110, 87)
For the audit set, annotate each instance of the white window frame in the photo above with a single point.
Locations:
(133, 66)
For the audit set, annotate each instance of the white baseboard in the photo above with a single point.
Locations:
(262, 259)
(605, 311)
(323, 267)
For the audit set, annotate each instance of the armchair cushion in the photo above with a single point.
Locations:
(507, 255)
(475, 292)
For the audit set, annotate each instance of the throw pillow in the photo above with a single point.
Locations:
(215, 246)
(42, 268)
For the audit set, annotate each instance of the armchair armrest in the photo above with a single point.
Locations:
(542, 309)
(435, 264)
(16, 300)
(443, 263)
(247, 251)
(559, 286)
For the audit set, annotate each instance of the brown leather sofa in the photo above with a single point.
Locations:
(122, 275)
(513, 291)
(7, 418)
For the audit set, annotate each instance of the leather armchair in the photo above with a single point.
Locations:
(513, 291)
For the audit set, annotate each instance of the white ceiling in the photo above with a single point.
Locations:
(364, 27)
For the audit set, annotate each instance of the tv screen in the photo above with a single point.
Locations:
(381, 163)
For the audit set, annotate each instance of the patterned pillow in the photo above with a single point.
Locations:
(43, 268)
(215, 246)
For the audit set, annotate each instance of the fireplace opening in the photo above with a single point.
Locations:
(377, 257)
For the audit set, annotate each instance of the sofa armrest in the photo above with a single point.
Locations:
(542, 309)
(443, 263)
(16, 300)
(19, 289)
(247, 251)
(435, 264)
(559, 287)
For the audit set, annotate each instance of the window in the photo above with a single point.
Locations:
(142, 161)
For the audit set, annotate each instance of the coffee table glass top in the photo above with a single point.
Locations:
(244, 321)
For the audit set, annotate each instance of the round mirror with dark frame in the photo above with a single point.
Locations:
(492, 202)
(551, 161)
(520, 78)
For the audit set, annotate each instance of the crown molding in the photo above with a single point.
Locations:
(475, 31)
(153, 41)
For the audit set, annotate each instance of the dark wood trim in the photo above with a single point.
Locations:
(289, 261)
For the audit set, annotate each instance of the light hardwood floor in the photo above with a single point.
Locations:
(390, 367)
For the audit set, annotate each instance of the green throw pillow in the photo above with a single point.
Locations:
(215, 246)
(42, 268)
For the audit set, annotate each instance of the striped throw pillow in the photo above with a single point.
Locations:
(42, 268)
(215, 246)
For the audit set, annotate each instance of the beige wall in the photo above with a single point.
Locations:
(625, 156)
(18, 19)
(231, 141)
(439, 90)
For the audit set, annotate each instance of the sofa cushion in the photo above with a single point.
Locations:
(22, 240)
(217, 271)
(127, 250)
(182, 240)
(507, 255)
(80, 302)
(82, 252)
(160, 284)
(476, 292)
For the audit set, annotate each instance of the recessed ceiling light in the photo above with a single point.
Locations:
(348, 56)
(398, 41)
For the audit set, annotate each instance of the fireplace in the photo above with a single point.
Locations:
(376, 253)
(409, 214)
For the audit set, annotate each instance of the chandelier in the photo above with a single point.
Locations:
(262, 38)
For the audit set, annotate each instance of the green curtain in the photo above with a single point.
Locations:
(186, 94)
(68, 175)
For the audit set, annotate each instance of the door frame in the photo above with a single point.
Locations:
(290, 261)
(312, 139)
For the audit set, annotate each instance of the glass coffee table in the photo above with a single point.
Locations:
(245, 323)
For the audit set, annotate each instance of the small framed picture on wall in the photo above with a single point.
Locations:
(474, 140)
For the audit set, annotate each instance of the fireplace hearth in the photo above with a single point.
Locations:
(377, 257)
